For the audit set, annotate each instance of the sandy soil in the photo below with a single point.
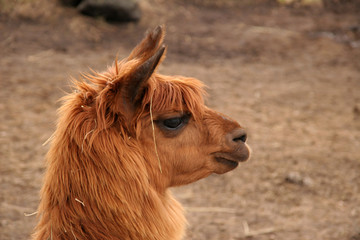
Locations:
(291, 75)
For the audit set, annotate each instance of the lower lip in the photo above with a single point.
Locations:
(227, 162)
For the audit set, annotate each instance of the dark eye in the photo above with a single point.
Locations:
(173, 123)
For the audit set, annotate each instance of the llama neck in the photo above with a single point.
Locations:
(111, 199)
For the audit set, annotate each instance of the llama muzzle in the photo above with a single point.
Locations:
(238, 149)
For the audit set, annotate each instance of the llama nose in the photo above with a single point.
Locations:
(236, 137)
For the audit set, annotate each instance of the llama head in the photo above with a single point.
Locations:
(164, 118)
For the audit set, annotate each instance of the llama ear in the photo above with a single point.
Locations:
(143, 61)
(140, 76)
(130, 96)
(148, 46)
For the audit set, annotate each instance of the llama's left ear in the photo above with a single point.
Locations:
(140, 76)
(149, 54)
(130, 96)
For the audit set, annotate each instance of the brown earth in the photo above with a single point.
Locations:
(291, 75)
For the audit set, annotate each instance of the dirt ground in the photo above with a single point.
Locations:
(291, 75)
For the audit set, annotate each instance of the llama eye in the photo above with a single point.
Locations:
(173, 123)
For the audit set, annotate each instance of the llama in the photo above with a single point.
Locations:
(123, 138)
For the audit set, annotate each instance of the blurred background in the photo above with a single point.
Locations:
(288, 70)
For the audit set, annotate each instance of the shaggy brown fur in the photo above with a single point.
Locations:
(107, 176)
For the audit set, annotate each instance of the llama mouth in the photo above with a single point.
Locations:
(228, 162)
(232, 159)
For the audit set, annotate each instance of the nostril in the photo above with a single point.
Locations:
(240, 138)
(236, 137)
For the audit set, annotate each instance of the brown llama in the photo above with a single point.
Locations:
(123, 138)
